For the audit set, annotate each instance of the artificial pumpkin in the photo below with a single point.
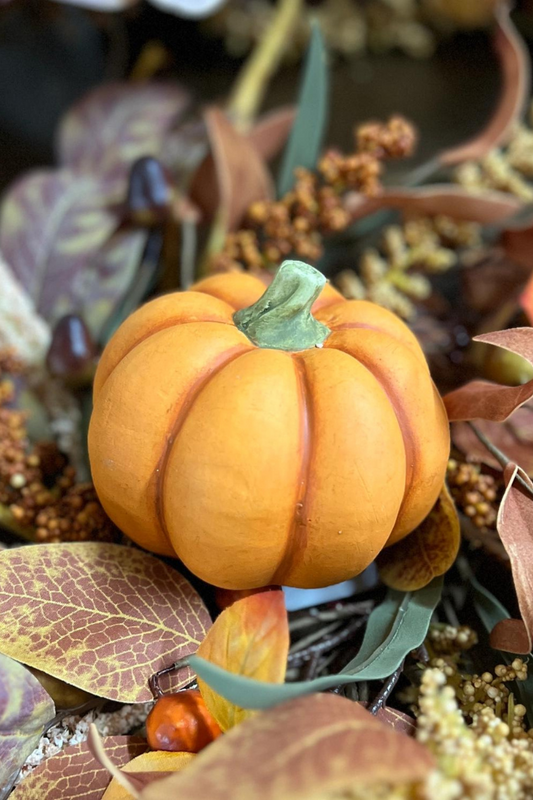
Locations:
(268, 445)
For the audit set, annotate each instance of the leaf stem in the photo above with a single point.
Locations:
(153, 682)
(259, 68)
(500, 457)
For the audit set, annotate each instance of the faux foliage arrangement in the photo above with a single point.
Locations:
(263, 427)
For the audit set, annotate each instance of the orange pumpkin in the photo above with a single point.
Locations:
(271, 445)
(181, 722)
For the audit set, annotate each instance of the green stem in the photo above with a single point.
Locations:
(281, 319)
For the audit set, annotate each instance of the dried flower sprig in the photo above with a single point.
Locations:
(298, 223)
(392, 276)
(475, 493)
(38, 489)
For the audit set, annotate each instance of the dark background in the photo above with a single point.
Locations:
(51, 54)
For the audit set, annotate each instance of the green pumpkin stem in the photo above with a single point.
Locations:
(281, 319)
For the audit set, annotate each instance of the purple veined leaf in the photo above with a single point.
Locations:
(491, 401)
(516, 69)
(452, 201)
(58, 232)
(118, 123)
(21, 328)
(75, 774)
(25, 709)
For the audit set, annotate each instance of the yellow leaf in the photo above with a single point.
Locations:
(427, 552)
(155, 761)
(249, 638)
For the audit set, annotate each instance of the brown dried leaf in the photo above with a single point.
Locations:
(56, 232)
(427, 552)
(249, 638)
(514, 437)
(74, 774)
(25, 709)
(515, 67)
(117, 123)
(484, 400)
(452, 201)
(147, 768)
(271, 131)
(515, 526)
(319, 745)
(101, 617)
(233, 177)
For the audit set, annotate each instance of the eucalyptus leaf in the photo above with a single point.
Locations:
(307, 135)
(490, 612)
(394, 628)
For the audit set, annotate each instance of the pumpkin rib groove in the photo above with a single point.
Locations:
(213, 369)
(166, 325)
(297, 534)
(349, 326)
(405, 428)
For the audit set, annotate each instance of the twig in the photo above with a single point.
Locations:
(385, 691)
(341, 611)
(327, 644)
(253, 80)
(188, 253)
(500, 457)
(312, 637)
(310, 668)
(421, 654)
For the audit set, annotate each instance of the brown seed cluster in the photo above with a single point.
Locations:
(296, 224)
(37, 485)
(474, 492)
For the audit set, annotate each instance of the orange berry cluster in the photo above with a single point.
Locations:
(296, 224)
(37, 485)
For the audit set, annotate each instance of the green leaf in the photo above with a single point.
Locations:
(489, 609)
(490, 612)
(394, 628)
(307, 135)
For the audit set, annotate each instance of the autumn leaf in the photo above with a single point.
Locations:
(484, 400)
(117, 123)
(317, 746)
(515, 67)
(514, 437)
(249, 638)
(25, 709)
(515, 526)
(101, 617)
(452, 201)
(395, 628)
(58, 235)
(428, 551)
(233, 177)
(147, 768)
(74, 774)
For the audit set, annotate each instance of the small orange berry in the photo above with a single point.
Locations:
(181, 722)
